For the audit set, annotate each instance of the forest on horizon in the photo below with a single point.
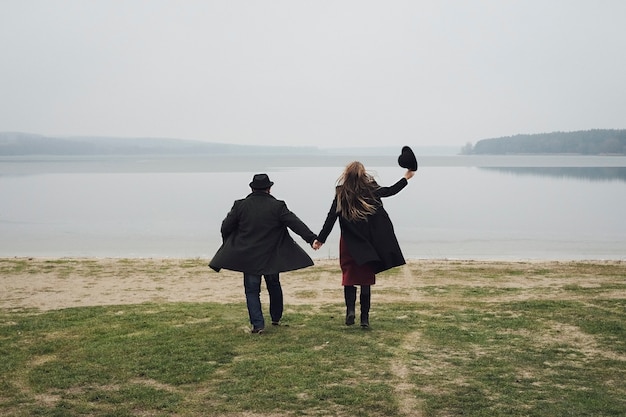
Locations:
(586, 142)
(23, 144)
(583, 142)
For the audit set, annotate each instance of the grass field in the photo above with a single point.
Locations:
(470, 339)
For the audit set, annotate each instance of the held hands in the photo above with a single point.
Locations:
(316, 244)
(409, 174)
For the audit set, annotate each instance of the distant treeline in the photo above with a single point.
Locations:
(584, 142)
(14, 144)
(24, 144)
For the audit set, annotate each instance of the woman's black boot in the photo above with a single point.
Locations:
(349, 294)
(365, 299)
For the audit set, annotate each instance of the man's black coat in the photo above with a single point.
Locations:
(255, 238)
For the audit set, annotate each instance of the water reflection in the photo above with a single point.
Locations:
(584, 173)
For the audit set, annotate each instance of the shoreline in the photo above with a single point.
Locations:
(4, 257)
(55, 283)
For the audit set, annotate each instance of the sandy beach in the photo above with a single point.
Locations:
(48, 284)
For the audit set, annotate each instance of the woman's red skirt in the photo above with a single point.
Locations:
(351, 273)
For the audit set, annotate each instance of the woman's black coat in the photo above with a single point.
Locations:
(256, 240)
(373, 240)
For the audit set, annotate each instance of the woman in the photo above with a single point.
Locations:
(368, 244)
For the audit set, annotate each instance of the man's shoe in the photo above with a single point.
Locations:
(256, 331)
(275, 323)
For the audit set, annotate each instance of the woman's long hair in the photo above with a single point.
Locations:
(355, 193)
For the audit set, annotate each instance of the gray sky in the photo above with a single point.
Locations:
(314, 73)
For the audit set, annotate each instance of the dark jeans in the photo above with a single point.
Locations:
(252, 286)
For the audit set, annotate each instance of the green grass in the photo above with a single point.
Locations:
(476, 357)
(468, 338)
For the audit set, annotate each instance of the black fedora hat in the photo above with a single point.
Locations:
(261, 182)
(407, 159)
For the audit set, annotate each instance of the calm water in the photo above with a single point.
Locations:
(454, 207)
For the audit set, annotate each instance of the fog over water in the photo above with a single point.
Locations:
(535, 207)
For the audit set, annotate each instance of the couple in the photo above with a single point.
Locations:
(256, 241)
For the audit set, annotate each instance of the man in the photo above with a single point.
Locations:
(255, 241)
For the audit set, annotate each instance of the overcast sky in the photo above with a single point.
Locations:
(313, 73)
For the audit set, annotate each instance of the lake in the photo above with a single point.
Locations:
(455, 207)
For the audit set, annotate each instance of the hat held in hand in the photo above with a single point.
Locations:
(261, 182)
(407, 159)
